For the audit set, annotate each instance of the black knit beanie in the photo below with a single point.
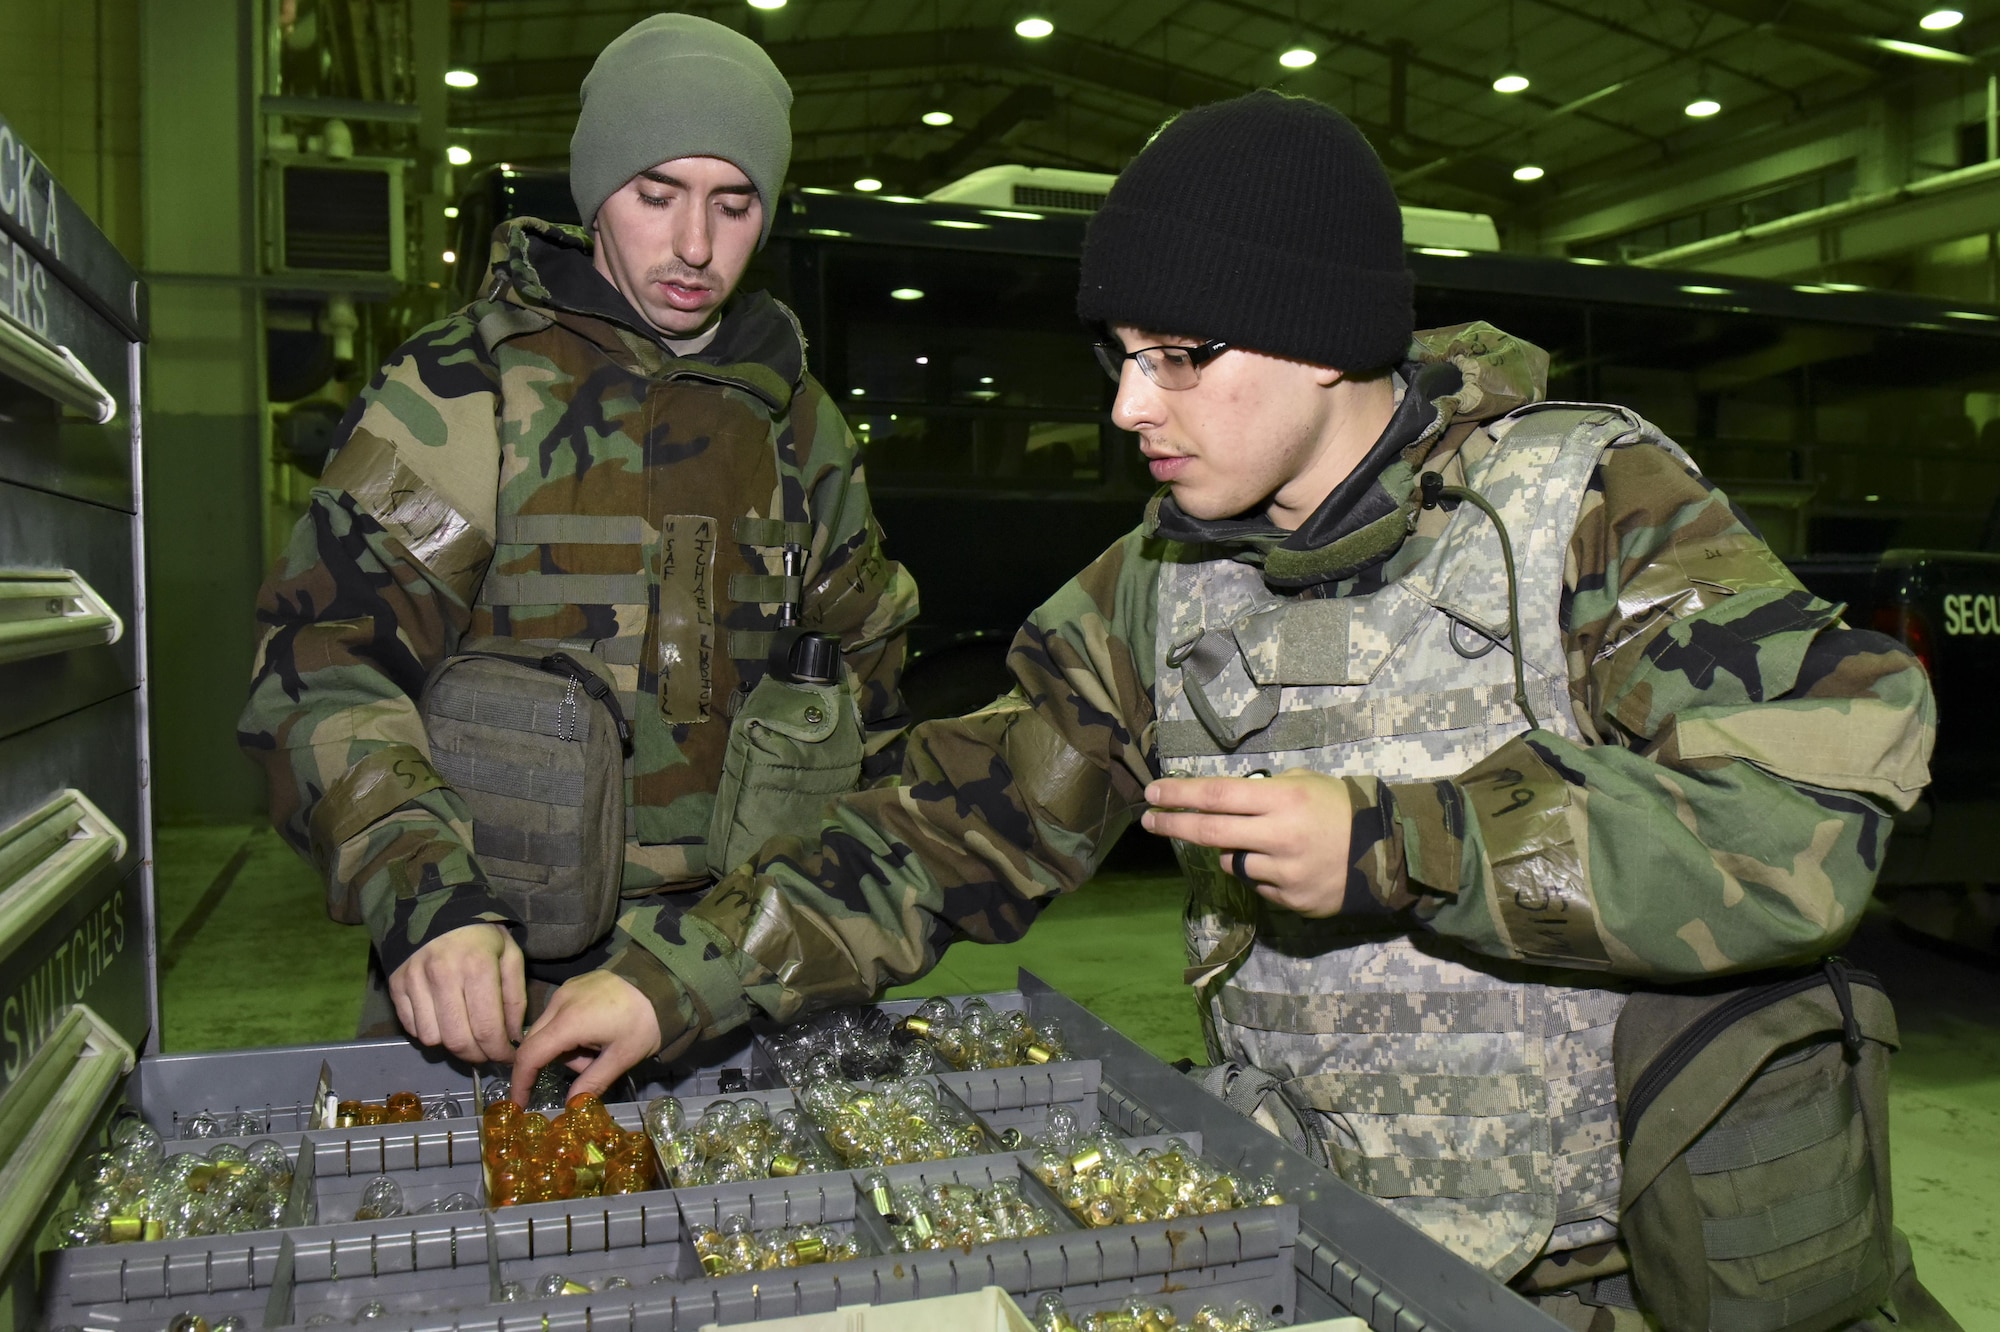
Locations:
(1266, 221)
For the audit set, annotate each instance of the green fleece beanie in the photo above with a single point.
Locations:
(679, 86)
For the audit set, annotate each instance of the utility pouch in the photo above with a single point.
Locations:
(1755, 1131)
(535, 743)
(794, 745)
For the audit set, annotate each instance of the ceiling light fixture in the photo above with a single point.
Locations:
(1918, 51)
(937, 119)
(767, 4)
(451, 210)
(1298, 58)
(868, 184)
(458, 156)
(1528, 171)
(1442, 252)
(1702, 107)
(1511, 82)
(1034, 28)
(1940, 19)
(450, 258)
(907, 294)
(460, 78)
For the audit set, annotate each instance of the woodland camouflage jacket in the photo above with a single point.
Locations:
(510, 471)
(1727, 809)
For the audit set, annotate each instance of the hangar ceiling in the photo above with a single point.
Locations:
(1608, 82)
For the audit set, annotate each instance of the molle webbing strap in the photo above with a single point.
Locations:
(506, 843)
(1790, 1221)
(1435, 1012)
(508, 711)
(1728, 1314)
(751, 644)
(770, 532)
(566, 590)
(751, 589)
(509, 779)
(610, 651)
(1614, 1291)
(574, 529)
(1734, 1146)
(1418, 1177)
(1453, 1094)
(1583, 1009)
(1316, 728)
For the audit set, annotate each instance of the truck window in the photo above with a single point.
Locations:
(967, 371)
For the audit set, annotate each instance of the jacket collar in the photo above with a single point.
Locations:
(759, 346)
(1468, 373)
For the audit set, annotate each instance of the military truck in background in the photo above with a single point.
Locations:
(1859, 430)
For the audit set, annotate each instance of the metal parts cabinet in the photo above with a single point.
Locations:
(76, 990)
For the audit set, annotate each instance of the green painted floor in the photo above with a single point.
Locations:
(250, 959)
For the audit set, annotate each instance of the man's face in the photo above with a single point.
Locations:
(675, 240)
(1254, 429)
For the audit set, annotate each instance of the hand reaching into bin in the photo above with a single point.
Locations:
(601, 1022)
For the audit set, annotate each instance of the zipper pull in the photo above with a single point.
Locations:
(1850, 1031)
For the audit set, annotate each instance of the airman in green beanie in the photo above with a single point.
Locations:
(613, 454)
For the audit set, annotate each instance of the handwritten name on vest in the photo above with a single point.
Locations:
(28, 198)
(31, 1011)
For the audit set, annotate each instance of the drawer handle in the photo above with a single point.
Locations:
(46, 857)
(52, 611)
(55, 371)
(48, 1113)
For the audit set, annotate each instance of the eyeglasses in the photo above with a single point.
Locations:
(1168, 367)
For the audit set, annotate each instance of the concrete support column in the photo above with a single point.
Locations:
(204, 431)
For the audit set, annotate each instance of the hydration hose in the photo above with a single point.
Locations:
(1434, 492)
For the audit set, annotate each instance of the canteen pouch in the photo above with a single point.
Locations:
(794, 745)
(1755, 1130)
(534, 742)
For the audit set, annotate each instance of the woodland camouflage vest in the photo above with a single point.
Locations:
(642, 517)
(1473, 1097)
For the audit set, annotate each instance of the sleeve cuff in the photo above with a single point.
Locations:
(1376, 882)
(695, 957)
(1429, 825)
(680, 1023)
(433, 910)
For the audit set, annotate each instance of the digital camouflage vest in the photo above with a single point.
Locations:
(1474, 1098)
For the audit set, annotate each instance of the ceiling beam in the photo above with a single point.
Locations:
(1070, 58)
(1674, 49)
(1413, 59)
(1030, 101)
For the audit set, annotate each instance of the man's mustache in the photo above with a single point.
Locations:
(679, 274)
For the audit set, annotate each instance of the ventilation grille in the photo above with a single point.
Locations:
(1041, 196)
(337, 219)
